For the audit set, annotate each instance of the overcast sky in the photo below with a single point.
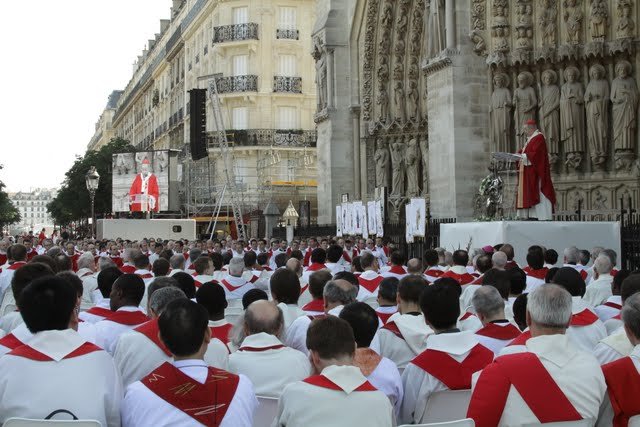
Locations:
(61, 60)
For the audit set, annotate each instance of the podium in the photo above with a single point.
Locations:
(505, 166)
(145, 201)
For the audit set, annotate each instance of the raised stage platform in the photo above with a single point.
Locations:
(522, 234)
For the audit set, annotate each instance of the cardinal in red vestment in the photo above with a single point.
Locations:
(144, 195)
(536, 197)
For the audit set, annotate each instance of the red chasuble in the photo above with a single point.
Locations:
(455, 375)
(129, 318)
(623, 383)
(584, 318)
(370, 284)
(324, 382)
(136, 190)
(151, 330)
(532, 381)
(206, 403)
(33, 354)
(535, 178)
(507, 332)
(315, 305)
(100, 311)
(221, 332)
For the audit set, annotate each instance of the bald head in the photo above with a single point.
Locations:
(263, 316)
(414, 266)
(339, 292)
(294, 265)
(499, 260)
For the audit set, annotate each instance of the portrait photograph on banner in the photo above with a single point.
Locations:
(379, 219)
(140, 181)
(339, 221)
(409, 222)
(357, 220)
(419, 212)
(362, 214)
(371, 218)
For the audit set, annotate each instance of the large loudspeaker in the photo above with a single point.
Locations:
(198, 125)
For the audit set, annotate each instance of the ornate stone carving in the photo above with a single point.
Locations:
(371, 21)
(525, 102)
(596, 100)
(397, 164)
(575, 200)
(599, 201)
(624, 96)
(383, 163)
(573, 18)
(524, 33)
(435, 28)
(572, 118)
(550, 113)
(413, 100)
(500, 112)
(424, 152)
(598, 19)
(412, 165)
(478, 12)
(319, 55)
(479, 45)
(626, 27)
(548, 22)
(382, 99)
(399, 102)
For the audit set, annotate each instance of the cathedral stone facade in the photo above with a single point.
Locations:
(415, 95)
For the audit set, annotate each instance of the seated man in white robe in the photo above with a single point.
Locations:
(535, 270)
(334, 254)
(397, 268)
(87, 273)
(381, 372)
(18, 254)
(317, 260)
(317, 280)
(235, 285)
(403, 336)
(599, 290)
(206, 395)
(553, 381)
(212, 297)
(126, 294)
(585, 329)
(186, 284)
(102, 309)
(285, 291)
(338, 394)
(623, 375)
(451, 356)
(496, 332)
(613, 305)
(204, 270)
(57, 369)
(262, 357)
(140, 351)
(370, 279)
(336, 294)
(387, 299)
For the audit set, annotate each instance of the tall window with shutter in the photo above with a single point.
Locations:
(287, 18)
(240, 15)
(287, 118)
(241, 65)
(287, 65)
(240, 118)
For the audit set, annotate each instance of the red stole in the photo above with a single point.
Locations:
(463, 279)
(33, 354)
(229, 286)
(392, 327)
(532, 381)
(346, 257)
(521, 339)
(117, 261)
(10, 341)
(260, 349)
(307, 258)
(613, 305)
(370, 284)
(16, 265)
(540, 273)
(127, 269)
(324, 382)
(617, 316)
(584, 318)
(466, 315)
(129, 318)
(433, 272)
(146, 276)
(100, 311)
(316, 266)
(396, 269)
(508, 332)
(222, 332)
(583, 274)
(304, 289)
(151, 330)
(623, 383)
(535, 178)
(455, 375)
(315, 305)
(206, 403)
(3, 259)
(384, 317)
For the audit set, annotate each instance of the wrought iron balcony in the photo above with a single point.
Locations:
(287, 34)
(287, 84)
(267, 137)
(248, 83)
(237, 32)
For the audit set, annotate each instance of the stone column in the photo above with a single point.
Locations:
(450, 19)
(355, 114)
(457, 115)
(330, 79)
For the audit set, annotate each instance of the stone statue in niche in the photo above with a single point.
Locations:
(624, 96)
(383, 164)
(575, 201)
(598, 19)
(524, 102)
(413, 100)
(500, 113)
(435, 28)
(400, 47)
(412, 165)
(399, 102)
(523, 41)
(479, 45)
(321, 74)
(383, 102)
(524, 15)
(398, 69)
(383, 47)
(501, 44)
(401, 25)
(387, 16)
(572, 118)
(599, 201)
(500, 14)
(550, 113)
(626, 27)
(573, 20)
(596, 98)
(548, 22)
(414, 68)
(383, 69)
(397, 164)
(424, 152)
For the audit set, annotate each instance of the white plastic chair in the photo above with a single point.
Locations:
(580, 423)
(467, 422)
(446, 406)
(266, 412)
(24, 422)
(634, 421)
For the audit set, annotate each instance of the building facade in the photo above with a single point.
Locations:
(259, 53)
(32, 206)
(104, 126)
(435, 87)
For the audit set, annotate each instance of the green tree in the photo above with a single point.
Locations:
(9, 214)
(72, 202)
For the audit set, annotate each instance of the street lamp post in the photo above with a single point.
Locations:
(92, 179)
